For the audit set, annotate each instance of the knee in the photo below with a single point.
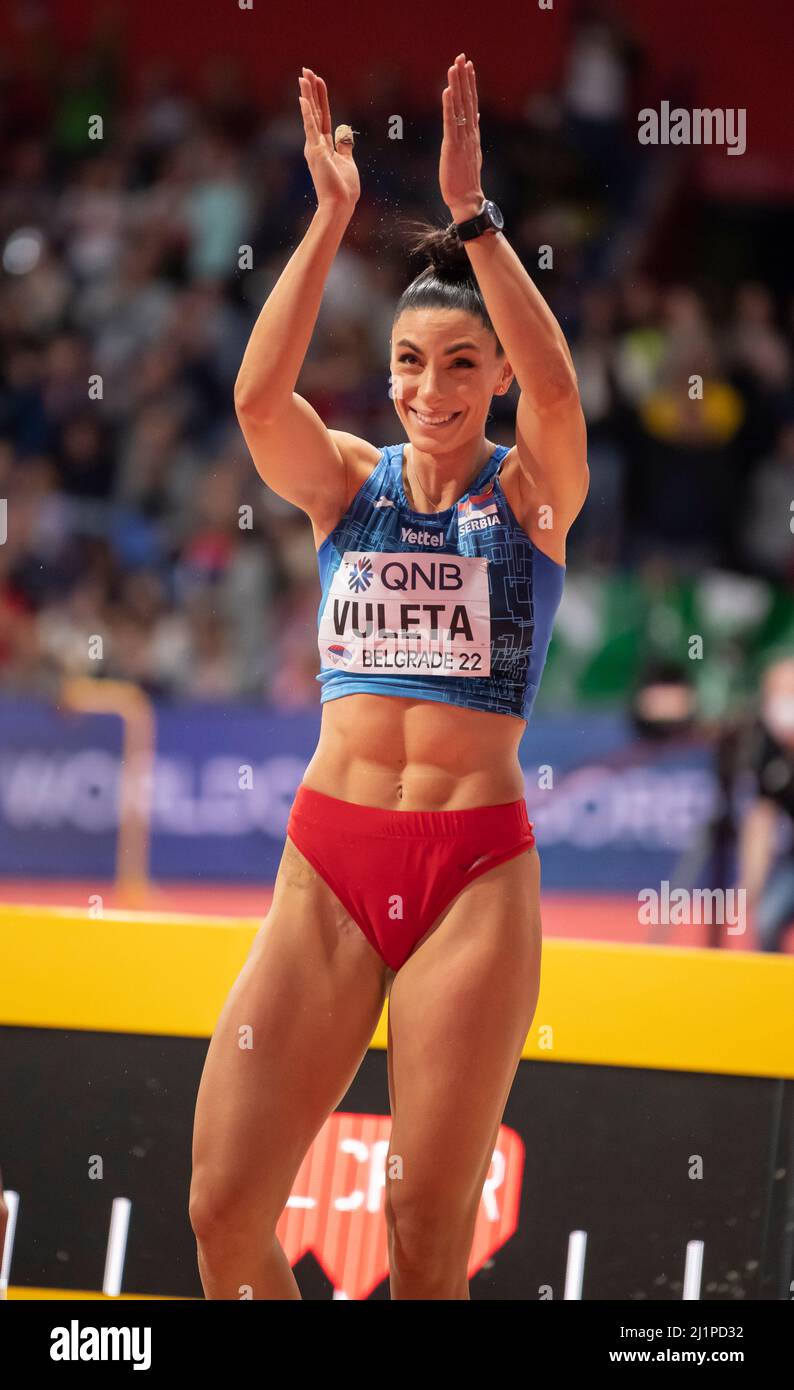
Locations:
(207, 1210)
(429, 1234)
(219, 1216)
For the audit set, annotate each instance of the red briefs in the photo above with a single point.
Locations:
(396, 871)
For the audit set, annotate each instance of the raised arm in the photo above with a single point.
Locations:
(550, 428)
(293, 451)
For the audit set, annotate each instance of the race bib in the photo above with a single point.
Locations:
(396, 614)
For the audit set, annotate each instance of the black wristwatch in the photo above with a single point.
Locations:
(489, 218)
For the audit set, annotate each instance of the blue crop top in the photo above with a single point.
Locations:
(456, 606)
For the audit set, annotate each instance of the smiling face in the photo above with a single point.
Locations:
(444, 372)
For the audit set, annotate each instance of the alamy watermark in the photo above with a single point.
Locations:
(702, 126)
(687, 907)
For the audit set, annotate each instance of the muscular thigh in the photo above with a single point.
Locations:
(459, 1012)
(288, 1042)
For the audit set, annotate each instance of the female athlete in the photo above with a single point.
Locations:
(409, 867)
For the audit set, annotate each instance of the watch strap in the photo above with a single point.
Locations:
(477, 225)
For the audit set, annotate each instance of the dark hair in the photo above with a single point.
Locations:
(448, 280)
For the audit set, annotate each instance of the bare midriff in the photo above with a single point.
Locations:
(416, 755)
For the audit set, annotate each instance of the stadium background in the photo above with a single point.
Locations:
(121, 257)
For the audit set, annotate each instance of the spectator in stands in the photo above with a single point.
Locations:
(766, 866)
(766, 517)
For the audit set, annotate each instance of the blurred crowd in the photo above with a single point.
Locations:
(134, 513)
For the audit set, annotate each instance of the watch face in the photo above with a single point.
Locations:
(495, 214)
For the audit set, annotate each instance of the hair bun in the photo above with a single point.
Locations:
(442, 249)
(447, 280)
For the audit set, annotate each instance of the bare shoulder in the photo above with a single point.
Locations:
(359, 458)
(526, 502)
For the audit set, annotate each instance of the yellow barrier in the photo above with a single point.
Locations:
(26, 1291)
(600, 1003)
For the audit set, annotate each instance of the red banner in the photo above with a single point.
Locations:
(336, 1210)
